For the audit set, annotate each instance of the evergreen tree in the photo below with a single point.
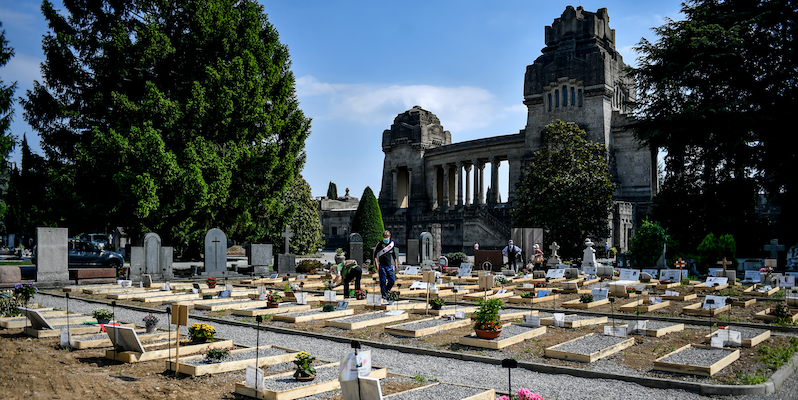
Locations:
(332, 191)
(169, 116)
(647, 244)
(566, 189)
(368, 222)
(716, 91)
(6, 113)
(305, 220)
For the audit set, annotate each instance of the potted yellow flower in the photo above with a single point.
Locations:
(304, 369)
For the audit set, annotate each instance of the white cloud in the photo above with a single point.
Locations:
(23, 69)
(460, 108)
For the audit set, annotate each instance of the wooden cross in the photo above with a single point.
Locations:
(724, 263)
(681, 263)
(287, 235)
(774, 247)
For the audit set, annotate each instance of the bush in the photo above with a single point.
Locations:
(647, 244)
(713, 249)
(457, 258)
(309, 266)
(103, 313)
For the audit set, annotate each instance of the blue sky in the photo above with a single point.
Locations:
(360, 63)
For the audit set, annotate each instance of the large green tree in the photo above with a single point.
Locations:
(566, 189)
(172, 116)
(6, 113)
(717, 91)
(305, 221)
(367, 221)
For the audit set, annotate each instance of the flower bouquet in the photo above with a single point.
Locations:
(211, 281)
(200, 332)
(150, 322)
(25, 291)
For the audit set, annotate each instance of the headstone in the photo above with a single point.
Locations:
(426, 249)
(673, 275)
(774, 248)
(286, 262)
(146, 280)
(792, 258)
(411, 256)
(589, 254)
(356, 247)
(9, 275)
(436, 241)
(51, 255)
(554, 258)
(215, 252)
(661, 262)
(259, 256)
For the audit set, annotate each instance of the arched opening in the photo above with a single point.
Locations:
(403, 187)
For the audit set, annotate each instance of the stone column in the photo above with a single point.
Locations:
(467, 184)
(458, 182)
(479, 187)
(494, 180)
(514, 174)
(409, 185)
(395, 187)
(435, 187)
(445, 186)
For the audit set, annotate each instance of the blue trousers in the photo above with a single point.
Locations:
(387, 279)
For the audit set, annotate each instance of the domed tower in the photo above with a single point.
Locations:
(412, 133)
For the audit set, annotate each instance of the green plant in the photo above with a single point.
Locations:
(527, 294)
(456, 258)
(273, 297)
(647, 244)
(303, 363)
(150, 320)
(586, 298)
(25, 291)
(9, 306)
(201, 331)
(367, 221)
(775, 357)
(309, 266)
(102, 314)
(216, 355)
(392, 295)
(437, 301)
(500, 280)
(751, 379)
(487, 316)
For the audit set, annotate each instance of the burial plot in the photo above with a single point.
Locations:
(713, 284)
(102, 340)
(281, 308)
(128, 347)
(397, 305)
(572, 287)
(22, 321)
(760, 290)
(445, 310)
(618, 289)
(540, 296)
(749, 337)
(238, 360)
(695, 360)
(575, 321)
(285, 387)
(768, 315)
(427, 326)
(589, 348)
(227, 304)
(662, 328)
(489, 294)
(361, 321)
(645, 305)
(40, 327)
(706, 308)
(578, 304)
(510, 335)
(510, 313)
(311, 315)
(445, 391)
(674, 295)
(169, 298)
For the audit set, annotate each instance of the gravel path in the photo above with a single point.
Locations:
(443, 369)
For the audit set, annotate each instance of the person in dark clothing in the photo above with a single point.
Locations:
(344, 273)
(385, 256)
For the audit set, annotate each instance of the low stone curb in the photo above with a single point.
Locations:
(773, 383)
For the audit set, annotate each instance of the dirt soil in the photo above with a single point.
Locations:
(41, 369)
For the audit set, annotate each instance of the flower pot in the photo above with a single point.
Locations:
(199, 340)
(304, 378)
(272, 304)
(211, 286)
(151, 329)
(103, 321)
(436, 307)
(487, 334)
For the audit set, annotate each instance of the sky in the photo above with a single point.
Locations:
(358, 64)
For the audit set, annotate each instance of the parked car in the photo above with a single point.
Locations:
(99, 239)
(84, 254)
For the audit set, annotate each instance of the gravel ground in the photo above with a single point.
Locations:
(414, 326)
(443, 369)
(441, 391)
(746, 333)
(363, 317)
(590, 344)
(696, 356)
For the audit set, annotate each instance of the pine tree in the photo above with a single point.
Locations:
(6, 113)
(332, 191)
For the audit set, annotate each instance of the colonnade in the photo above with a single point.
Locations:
(448, 188)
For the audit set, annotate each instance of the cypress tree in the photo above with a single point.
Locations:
(368, 221)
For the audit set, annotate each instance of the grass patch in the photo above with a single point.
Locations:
(775, 357)
(751, 379)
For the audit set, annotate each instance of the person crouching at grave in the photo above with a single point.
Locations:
(344, 273)
(512, 251)
(385, 256)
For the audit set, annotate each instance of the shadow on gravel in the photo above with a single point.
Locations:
(125, 378)
(98, 361)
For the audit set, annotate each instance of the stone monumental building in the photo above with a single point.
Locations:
(427, 179)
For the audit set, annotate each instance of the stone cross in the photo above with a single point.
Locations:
(774, 247)
(287, 235)
(724, 263)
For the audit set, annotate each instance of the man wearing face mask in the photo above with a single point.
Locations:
(385, 256)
